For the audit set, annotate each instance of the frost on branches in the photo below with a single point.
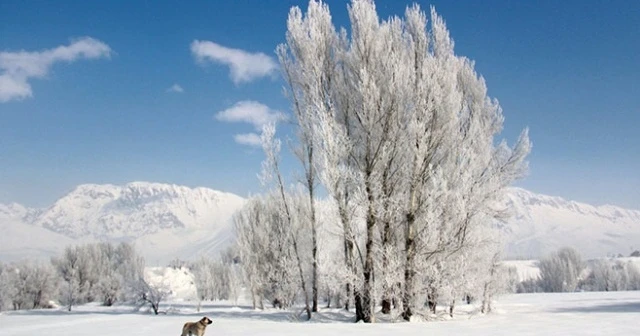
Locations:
(403, 136)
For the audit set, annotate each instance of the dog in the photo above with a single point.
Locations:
(196, 328)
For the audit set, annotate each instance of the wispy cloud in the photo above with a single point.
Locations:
(251, 112)
(249, 139)
(245, 66)
(16, 68)
(175, 88)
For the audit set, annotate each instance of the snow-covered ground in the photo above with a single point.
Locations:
(594, 313)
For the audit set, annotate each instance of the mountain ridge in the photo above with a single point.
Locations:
(167, 221)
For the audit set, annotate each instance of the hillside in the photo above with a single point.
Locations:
(168, 221)
(164, 221)
(543, 223)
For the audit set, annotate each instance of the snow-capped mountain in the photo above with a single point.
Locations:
(21, 240)
(164, 221)
(542, 224)
(168, 221)
(136, 209)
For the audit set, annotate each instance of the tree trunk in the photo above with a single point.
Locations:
(367, 295)
(70, 295)
(357, 298)
(486, 300)
(302, 281)
(386, 305)
(367, 290)
(451, 306)
(394, 300)
(155, 307)
(293, 239)
(386, 289)
(253, 297)
(432, 302)
(261, 302)
(310, 180)
(348, 296)
(314, 275)
(348, 250)
(409, 272)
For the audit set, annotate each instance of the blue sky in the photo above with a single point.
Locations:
(103, 110)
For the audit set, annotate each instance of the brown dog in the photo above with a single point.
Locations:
(196, 328)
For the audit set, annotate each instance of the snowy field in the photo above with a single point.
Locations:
(595, 313)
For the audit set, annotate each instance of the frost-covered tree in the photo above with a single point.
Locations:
(216, 279)
(235, 276)
(560, 271)
(291, 222)
(27, 285)
(404, 133)
(203, 271)
(152, 294)
(604, 276)
(491, 284)
(69, 267)
(456, 279)
(266, 251)
(41, 284)
(304, 151)
(130, 269)
(99, 271)
(611, 275)
(5, 286)
(250, 238)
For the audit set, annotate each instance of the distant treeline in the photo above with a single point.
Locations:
(566, 271)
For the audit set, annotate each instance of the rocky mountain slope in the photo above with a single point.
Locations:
(168, 221)
(164, 221)
(544, 223)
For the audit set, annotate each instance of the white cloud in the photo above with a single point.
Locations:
(249, 139)
(251, 112)
(245, 66)
(175, 88)
(16, 68)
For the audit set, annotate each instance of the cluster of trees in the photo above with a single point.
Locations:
(101, 272)
(399, 132)
(611, 275)
(565, 271)
(27, 285)
(218, 279)
(98, 272)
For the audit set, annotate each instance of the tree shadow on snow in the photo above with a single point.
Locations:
(626, 307)
(276, 315)
(212, 310)
(65, 312)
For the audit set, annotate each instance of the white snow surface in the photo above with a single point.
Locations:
(179, 282)
(593, 313)
(588, 313)
(168, 221)
(527, 269)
